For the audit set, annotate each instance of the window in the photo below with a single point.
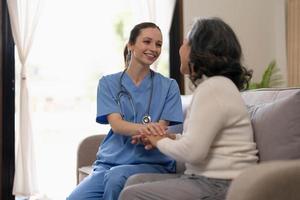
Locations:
(75, 44)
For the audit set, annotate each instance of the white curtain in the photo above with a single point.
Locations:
(159, 12)
(24, 15)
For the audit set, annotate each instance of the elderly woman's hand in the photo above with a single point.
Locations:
(153, 129)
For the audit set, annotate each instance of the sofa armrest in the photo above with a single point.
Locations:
(86, 152)
(276, 180)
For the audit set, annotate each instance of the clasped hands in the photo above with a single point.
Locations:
(149, 135)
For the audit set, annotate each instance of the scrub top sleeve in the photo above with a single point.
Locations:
(106, 103)
(172, 111)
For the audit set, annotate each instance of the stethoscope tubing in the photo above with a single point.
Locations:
(123, 91)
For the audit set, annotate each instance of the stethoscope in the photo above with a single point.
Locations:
(123, 91)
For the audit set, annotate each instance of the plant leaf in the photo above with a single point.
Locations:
(271, 78)
(266, 78)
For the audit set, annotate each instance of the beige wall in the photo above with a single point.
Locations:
(259, 25)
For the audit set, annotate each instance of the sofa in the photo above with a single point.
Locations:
(275, 118)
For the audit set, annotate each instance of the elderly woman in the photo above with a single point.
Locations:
(217, 141)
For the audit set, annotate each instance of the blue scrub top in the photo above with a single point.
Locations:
(165, 104)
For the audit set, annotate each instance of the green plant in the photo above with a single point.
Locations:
(270, 78)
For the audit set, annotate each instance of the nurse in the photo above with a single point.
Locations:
(132, 101)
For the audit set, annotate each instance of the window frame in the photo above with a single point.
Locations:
(7, 97)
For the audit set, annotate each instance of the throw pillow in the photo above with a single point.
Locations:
(276, 128)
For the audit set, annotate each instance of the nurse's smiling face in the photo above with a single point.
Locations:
(147, 47)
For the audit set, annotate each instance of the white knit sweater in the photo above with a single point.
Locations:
(217, 140)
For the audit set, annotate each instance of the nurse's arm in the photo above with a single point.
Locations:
(163, 122)
(120, 126)
(124, 127)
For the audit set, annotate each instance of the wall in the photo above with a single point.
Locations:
(259, 25)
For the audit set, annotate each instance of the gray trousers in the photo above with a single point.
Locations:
(173, 187)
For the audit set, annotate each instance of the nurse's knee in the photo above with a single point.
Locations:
(75, 195)
(114, 178)
(71, 197)
(90, 187)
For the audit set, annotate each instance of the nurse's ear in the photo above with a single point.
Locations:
(127, 55)
(130, 48)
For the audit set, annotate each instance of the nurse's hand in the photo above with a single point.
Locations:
(142, 138)
(136, 139)
(148, 129)
(153, 129)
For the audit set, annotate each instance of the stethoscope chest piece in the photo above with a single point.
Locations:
(146, 119)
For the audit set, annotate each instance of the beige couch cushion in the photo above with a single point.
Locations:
(84, 172)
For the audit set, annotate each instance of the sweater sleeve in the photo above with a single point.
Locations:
(207, 117)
